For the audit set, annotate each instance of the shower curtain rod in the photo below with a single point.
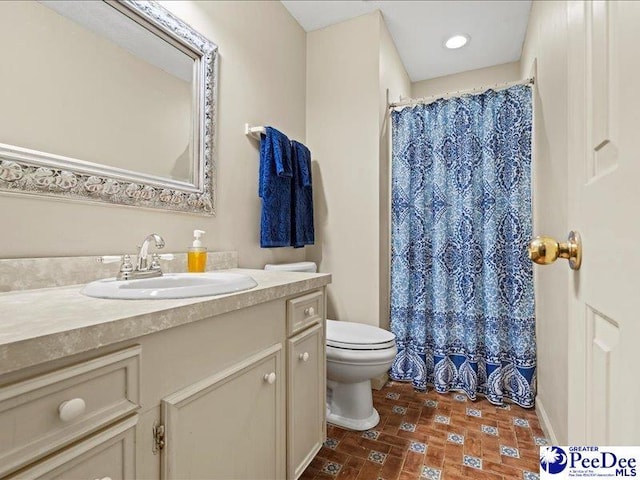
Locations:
(426, 100)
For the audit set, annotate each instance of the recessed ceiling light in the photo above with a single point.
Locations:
(456, 41)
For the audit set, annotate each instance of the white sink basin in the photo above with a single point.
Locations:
(170, 285)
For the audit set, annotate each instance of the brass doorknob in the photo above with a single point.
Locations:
(545, 250)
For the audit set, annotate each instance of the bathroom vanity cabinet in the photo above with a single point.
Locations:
(235, 395)
(305, 394)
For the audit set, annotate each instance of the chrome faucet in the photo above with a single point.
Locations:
(143, 260)
(143, 268)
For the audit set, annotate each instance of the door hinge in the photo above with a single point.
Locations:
(158, 438)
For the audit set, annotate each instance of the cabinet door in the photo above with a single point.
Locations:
(306, 399)
(230, 425)
(109, 454)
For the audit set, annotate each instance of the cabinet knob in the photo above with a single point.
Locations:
(270, 378)
(71, 409)
(309, 312)
(304, 356)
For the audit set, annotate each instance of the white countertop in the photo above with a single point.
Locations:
(50, 323)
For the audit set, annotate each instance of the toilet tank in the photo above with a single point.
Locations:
(309, 267)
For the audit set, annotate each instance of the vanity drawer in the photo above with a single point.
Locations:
(304, 311)
(35, 420)
(109, 454)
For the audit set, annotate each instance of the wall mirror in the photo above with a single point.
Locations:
(110, 101)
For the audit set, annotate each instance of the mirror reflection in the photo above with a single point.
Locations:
(83, 80)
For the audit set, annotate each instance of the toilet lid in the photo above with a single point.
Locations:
(358, 336)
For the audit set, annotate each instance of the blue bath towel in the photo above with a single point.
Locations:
(275, 189)
(302, 232)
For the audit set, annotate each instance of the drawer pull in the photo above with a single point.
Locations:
(304, 356)
(104, 478)
(71, 409)
(270, 378)
(309, 312)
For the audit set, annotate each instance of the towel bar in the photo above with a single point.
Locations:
(254, 132)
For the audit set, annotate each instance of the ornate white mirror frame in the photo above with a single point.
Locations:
(26, 171)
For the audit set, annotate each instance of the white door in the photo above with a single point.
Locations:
(604, 206)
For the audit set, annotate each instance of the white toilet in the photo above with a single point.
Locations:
(356, 353)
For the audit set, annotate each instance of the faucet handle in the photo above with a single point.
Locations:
(127, 265)
(156, 257)
(109, 259)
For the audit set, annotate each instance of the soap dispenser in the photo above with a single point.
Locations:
(197, 254)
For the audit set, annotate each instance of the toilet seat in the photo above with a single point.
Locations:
(358, 336)
(360, 357)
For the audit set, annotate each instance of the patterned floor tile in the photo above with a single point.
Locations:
(442, 419)
(371, 434)
(399, 410)
(509, 451)
(489, 430)
(415, 440)
(331, 443)
(541, 441)
(377, 457)
(331, 468)
(472, 412)
(473, 462)
(459, 397)
(407, 427)
(418, 447)
(429, 473)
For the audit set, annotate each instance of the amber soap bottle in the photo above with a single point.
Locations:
(197, 254)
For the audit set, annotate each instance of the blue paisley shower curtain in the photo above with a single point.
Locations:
(462, 304)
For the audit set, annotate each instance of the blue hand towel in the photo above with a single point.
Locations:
(275, 189)
(302, 232)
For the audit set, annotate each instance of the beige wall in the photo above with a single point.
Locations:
(506, 72)
(545, 56)
(342, 133)
(394, 82)
(349, 67)
(262, 81)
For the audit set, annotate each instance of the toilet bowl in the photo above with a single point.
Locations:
(356, 353)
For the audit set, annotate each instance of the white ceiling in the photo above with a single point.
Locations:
(419, 29)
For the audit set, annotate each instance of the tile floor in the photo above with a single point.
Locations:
(426, 436)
